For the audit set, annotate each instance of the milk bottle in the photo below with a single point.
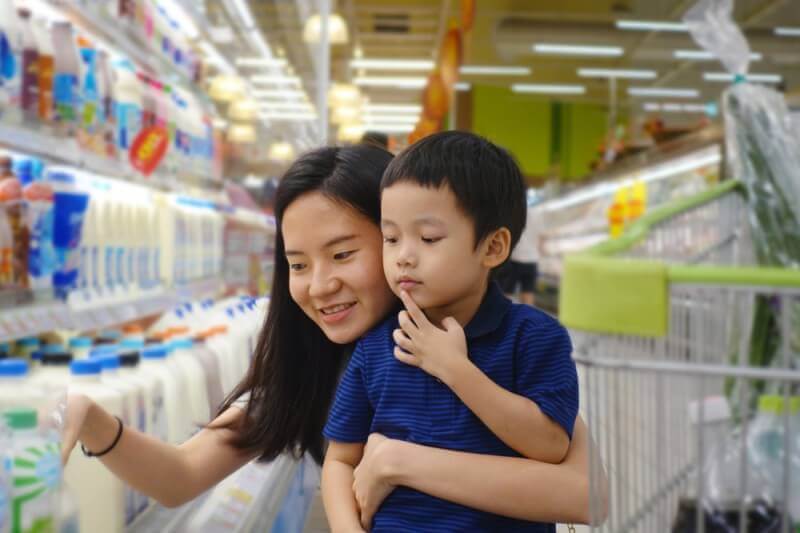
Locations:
(35, 466)
(154, 360)
(100, 494)
(195, 374)
(133, 416)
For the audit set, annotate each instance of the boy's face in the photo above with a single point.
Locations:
(429, 247)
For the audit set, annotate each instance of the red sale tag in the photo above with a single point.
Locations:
(149, 149)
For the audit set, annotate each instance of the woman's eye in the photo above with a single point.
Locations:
(389, 240)
(297, 266)
(343, 255)
(431, 240)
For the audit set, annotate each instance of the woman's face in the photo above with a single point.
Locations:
(335, 266)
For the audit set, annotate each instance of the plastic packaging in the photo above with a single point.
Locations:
(80, 347)
(66, 76)
(70, 204)
(13, 210)
(36, 472)
(154, 361)
(30, 68)
(10, 64)
(39, 212)
(100, 494)
(45, 67)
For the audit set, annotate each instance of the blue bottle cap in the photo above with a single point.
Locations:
(85, 367)
(13, 367)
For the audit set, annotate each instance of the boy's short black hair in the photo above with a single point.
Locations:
(485, 179)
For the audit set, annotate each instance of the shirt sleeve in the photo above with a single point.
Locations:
(546, 372)
(350, 417)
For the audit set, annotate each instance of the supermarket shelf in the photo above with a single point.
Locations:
(248, 500)
(76, 315)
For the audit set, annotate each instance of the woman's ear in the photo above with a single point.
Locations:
(497, 248)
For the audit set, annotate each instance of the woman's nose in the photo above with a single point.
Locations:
(323, 283)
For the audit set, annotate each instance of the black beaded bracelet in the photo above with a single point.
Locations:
(87, 453)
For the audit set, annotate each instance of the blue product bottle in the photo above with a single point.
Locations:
(70, 206)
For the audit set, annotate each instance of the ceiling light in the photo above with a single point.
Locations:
(391, 119)
(656, 91)
(578, 50)
(226, 88)
(243, 110)
(288, 116)
(345, 115)
(541, 88)
(651, 25)
(261, 62)
(278, 79)
(785, 31)
(726, 77)
(462, 86)
(650, 106)
(393, 108)
(281, 151)
(286, 106)
(393, 64)
(390, 128)
(343, 93)
(291, 94)
(350, 132)
(617, 73)
(242, 133)
(219, 123)
(495, 71)
(393, 82)
(702, 55)
(337, 29)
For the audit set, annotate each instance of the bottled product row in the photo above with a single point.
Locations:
(88, 240)
(167, 384)
(60, 80)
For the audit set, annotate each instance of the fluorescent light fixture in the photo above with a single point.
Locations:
(543, 88)
(288, 116)
(276, 79)
(393, 82)
(343, 93)
(393, 64)
(337, 29)
(244, 13)
(261, 62)
(489, 70)
(390, 128)
(658, 91)
(617, 73)
(393, 108)
(650, 106)
(286, 106)
(703, 55)
(289, 94)
(281, 151)
(213, 56)
(391, 119)
(578, 50)
(726, 77)
(694, 161)
(242, 133)
(785, 31)
(462, 86)
(651, 25)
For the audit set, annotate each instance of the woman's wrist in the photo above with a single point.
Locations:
(99, 427)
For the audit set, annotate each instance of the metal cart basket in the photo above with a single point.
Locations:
(667, 315)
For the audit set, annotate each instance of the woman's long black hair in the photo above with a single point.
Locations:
(296, 367)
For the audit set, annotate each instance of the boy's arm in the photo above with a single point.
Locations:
(516, 420)
(337, 486)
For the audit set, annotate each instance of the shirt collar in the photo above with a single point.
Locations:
(490, 314)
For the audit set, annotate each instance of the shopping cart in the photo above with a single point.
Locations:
(663, 318)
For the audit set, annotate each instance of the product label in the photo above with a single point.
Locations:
(36, 474)
(109, 262)
(120, 266)
(159, 414)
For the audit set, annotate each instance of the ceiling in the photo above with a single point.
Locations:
(505, 31)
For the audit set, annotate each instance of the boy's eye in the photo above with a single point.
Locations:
(431, 240)
(390, 240)
(343, 255)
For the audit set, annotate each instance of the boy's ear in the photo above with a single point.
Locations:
(496, 248)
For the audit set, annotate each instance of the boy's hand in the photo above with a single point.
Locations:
(420, 343)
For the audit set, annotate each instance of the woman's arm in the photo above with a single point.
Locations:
(172, 475)
(509, 486)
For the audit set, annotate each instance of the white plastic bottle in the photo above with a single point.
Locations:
(53, 374)
(68, 519)
(35, 470)
(155, 408)
(154, 361)
(16, 388)
(100, 494)
(193, 369)
(80, 347)
(765, 445)
(132, 416)
(26, 346)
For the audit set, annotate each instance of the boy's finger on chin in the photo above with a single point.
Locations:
(412, 308)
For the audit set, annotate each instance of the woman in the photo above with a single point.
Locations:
(328, 290)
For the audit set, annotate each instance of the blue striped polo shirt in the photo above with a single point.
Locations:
(520, 348)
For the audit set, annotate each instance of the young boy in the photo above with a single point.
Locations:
(452, 208)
